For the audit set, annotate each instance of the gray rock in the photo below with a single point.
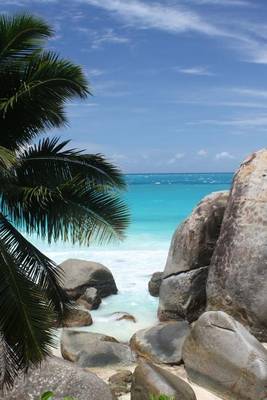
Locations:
(183, 296)
(80, 275)
(237, 282)
(123, 316)
(120, 383)
(162, 343)
(151, 380)
(222, 356)
(194, 241)
(77, 318)
(64, 379)
(91, 296)
(154, 284)
(89, 349)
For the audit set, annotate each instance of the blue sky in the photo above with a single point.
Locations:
(179, 85)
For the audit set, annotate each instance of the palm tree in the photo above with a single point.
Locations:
(46, 188)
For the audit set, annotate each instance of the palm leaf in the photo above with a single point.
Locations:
(72, 211)
(25, 318)
(7, 159)
(49, 161)
(36, 266)
(21, 36)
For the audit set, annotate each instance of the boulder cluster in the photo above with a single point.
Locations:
(212, 311)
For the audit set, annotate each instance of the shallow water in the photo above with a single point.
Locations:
(158, 203)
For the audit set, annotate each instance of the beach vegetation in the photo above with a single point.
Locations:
(48, 190)
(50, 396)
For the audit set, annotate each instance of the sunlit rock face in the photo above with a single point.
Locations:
(221, 355)
(237, 281)
(183, 288)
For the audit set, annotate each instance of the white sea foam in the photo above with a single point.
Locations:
(132, 270)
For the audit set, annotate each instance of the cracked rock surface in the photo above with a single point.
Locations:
(237, 281)
(183, 288)
(221, 355)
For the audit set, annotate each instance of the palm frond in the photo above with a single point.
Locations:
(21, 36)
(73, 212)
(49, 160)
(7, 159)
(25, 318)
(38, 268)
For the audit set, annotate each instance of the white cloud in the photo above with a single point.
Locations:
(202, 153)
(197, 70)
(224, 155)
(232, 3)
(116, 157)
(94, 73)
(251, 92)
(246, 122)
(241, 35)
(109, 36)
(175, 158)
(154, 15)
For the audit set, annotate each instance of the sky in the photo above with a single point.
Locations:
(178, 85)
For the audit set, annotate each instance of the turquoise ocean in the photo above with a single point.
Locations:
(158, 204)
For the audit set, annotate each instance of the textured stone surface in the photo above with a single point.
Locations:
(92, 298)
(89, 349)
(237, 281)
(222, 356)
(77, 318)
(120, 383)
(120, 316)
(80, 275)
(151, 380)
(64, 379)
(162, 343)
(154, 284)
(183, 296)
(194, 241)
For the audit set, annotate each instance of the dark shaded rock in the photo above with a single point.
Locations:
(183, 296)
(151, 380)
(162, 343)
(194, 241)
(94, 350)
(91, 296)
(82, 304)
(120, 383)
(64, 379)
(237, 280)
(80, 275)
(154, 284)
(77, 318)
(221, 355)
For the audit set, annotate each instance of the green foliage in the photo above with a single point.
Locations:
(50, 396)
(46, 189)
(161, 397)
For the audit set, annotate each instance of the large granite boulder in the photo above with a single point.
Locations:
(78, 275)
(63, 379)
(183, 296)
(77, 318)
(120, 383)
(162, 343)
(89, 349)
(194, 241)
(92, 297)
(237, 281)
(149, 379)
(154, 284)
(222, 356)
